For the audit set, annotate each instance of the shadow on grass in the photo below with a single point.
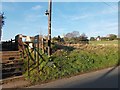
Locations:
(62, 47)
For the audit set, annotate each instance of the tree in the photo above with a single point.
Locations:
(112, 36)
(55, 39)
(75, 37)
(58, 39)
(104, 38)
(92, 39)
(98, 36)
(83, 38)
(75, 34)
(72, 34)
(69, 35)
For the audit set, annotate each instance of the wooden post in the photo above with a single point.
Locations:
(19, 43)
(43, 46)
(28, 66)
(34, 51)
(16, 42)
(38, 51)
(1, 23)
(35, 46)
(49, 27)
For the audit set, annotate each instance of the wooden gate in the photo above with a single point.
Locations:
(32, 53)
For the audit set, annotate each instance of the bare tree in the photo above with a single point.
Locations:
(76, 33)
(72, 34)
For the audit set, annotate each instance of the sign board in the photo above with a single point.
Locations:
(36, 39)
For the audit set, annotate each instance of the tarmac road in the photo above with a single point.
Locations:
(106, 78)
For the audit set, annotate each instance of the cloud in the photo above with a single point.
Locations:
(109, 11)
(102, 28)
(32, 17)
(105, 11)
(78, 17)
(37, 7)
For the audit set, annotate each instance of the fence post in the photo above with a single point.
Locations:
(11, 44)
(43, 46)
(38, 37)
(28, 66)
(18, 41)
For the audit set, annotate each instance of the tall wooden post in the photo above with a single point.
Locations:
(1, 23)
(49, 27)
(38, 48)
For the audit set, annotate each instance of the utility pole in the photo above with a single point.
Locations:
(48, 12)
(1, 23)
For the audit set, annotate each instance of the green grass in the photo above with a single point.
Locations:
(104, 42)
(66, 63)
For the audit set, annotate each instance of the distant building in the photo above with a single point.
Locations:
(98, 39)
(62, 36)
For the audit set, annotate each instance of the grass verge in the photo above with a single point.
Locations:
(66, 63)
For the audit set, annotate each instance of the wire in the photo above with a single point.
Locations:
(109, 5)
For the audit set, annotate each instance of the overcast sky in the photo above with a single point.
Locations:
(91, 18)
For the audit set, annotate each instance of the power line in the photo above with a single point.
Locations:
(109, 5)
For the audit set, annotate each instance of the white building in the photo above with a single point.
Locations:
(98, 39)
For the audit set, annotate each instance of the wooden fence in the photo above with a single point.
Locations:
(10, 45)
(33, 53)
(31, 50)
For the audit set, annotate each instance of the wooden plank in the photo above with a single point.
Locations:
(10, 52)
(10, 58)
(12, 63)
(8, 61)
(16, 72)
(37, 53)
(18, 67)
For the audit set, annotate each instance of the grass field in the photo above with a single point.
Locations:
(104, 42)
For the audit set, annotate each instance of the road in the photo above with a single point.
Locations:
(106, 78)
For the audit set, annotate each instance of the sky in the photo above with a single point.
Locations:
(28, 18)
